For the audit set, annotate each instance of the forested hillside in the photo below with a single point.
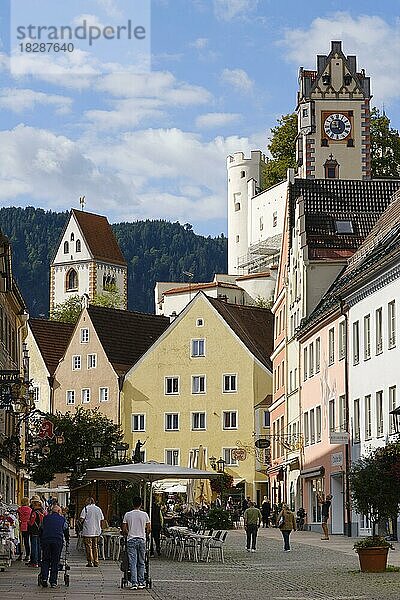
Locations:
(154, 251)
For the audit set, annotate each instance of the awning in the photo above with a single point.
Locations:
(293, 464)
(237, 482)
(313, 472)
(276, 470)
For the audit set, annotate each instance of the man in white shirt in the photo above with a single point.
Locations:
(136, 525)
(92, 518)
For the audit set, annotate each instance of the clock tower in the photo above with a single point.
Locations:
(334, 119)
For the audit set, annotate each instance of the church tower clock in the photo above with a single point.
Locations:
(334, 119)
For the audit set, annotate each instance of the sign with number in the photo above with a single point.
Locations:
(262, 443)
(239, 454)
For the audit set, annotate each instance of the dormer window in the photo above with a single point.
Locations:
(347, 79)
(326, 79)
(66, 247)
(78, 245)
(344, 227)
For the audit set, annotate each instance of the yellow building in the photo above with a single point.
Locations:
(200, 383)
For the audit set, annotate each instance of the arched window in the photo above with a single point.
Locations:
(78, 245)
(72, 237)
(72, 280)
(66, 247)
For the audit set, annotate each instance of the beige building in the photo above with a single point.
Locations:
(203, 382)
(105, 343)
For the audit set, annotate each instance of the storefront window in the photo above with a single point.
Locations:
(315, 487)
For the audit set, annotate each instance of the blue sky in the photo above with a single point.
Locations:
(145, 139)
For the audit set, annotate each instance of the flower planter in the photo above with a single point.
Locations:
(372, 560)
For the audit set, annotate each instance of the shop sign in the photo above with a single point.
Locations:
(337, 459)
(239, 454)
(339, 437)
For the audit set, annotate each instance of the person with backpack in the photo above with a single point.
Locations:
(53, 531)
(34, 525)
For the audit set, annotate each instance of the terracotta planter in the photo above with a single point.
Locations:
(372, 560)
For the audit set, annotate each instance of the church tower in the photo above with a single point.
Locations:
(334, 119)
(88, 261)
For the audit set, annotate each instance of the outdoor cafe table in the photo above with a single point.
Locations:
(109, 535)
(186, 532)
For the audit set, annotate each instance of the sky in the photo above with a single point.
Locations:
(142, 126)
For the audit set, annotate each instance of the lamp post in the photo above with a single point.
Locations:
(97, 448)
(220, 467)
(120, 452)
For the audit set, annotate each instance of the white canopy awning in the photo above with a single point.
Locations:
(149, 471)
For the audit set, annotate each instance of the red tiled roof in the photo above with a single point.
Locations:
(200, 286)
(253, 276)
(52, 339)
(99, 237)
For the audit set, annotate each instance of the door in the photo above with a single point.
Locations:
(337, 506)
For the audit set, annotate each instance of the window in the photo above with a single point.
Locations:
(72, 237)
(72, 280)
(378, 331)
(331, 338)
(138, 422)
(356, 421)
(36, 394)
(172, 457)
(199, 322)
(317, 355)
(311, 359)
(230, 383)
(103, 394)
(237, 239)
(84, 336)
(70, 396)
(312, 426)
(368, 421)
(66, 247)
(305, 364)
(331, 415)
(392, 324)
(198, 384)
(342, 340)
(266, 418)
(306, 429)
(379, 414)
(229, 419)
(91, 361)
(198, 348)
(344, 227)
(367, 337)
(78, 245)
(392, 406)
(318, 423)
(227, 456)
(171, 385)
(356, 343)
(261, 224)
(274, 219)
(198, 420)
(342, 413)
(237, 206)
(171, 421)
(242, 174)
(76, 362)
(85, 395)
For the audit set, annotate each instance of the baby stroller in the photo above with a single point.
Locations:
(63, 566)
(126, 573)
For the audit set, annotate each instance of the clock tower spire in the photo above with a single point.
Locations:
(334, 119)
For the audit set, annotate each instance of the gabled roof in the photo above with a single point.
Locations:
(254, 326)
(52, 338)
(379, 249)
(327, 201)
(99, 237)
(125, 335)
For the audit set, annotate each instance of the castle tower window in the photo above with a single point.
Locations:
(66, 247)
(237, 206)
(78, 245)
(331, 167)
(242, 174)
(72, 237)
(71, 280)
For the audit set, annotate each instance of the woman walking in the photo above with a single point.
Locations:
(286, 523)
(24, 513)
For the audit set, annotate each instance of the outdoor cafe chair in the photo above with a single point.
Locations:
(189, 548)
(215, 546)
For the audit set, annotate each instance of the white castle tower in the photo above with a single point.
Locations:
(240, 171)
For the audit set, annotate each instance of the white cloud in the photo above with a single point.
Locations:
(200, 43)
(110, 8)
(238, 79)
(20, 100)
(374, 41)
(210, 120)
(91, 21)
(227, 10)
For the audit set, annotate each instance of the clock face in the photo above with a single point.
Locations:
(337, 126)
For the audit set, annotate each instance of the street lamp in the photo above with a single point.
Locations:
(97, 448)
(120, 452)
(221, 465)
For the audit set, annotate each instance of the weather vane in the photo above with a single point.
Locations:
(82, 202)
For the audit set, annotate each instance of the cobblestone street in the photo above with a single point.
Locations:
(312, 570)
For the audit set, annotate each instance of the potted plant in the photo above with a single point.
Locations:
(375, 491)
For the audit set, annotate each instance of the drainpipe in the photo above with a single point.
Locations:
(121, 379)
(347, 419)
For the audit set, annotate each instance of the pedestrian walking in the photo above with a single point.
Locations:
(34, 525)
(287, 524)
(325, 503)
(265, 511)
(53, 531)
(92, 519)
(24, 513)
(252, 521)
(71, 513)
(156, 526)
(136, 526)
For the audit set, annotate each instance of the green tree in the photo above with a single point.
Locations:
(385, 147)
(78, 430)
(110, 298)
(282, 148)
(68, 311)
